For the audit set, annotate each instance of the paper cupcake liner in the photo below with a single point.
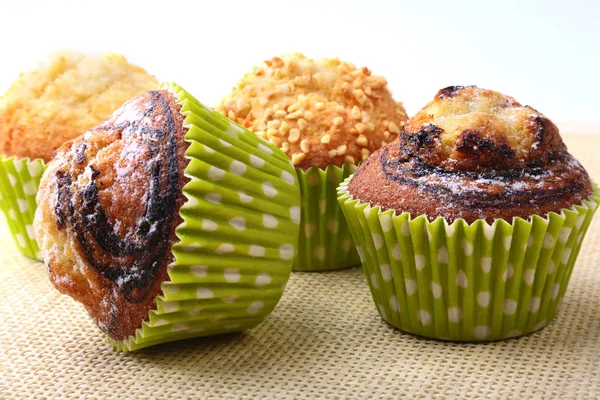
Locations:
(19, 183)
(462, 282)
(238, 237)
(325, 242)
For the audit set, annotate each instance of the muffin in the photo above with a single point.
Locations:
(327, 116)
(65, 96)
(470, 222)
(150, 219)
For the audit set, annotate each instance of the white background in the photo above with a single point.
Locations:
(544, 53)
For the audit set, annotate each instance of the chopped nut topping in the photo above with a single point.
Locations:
(361, 128)
(304, 146)
(394, 128)
(294, 135)
(298, 158)
(358, 82)
(358, 72)
(364, 153)
(271, 132)
(359, 95)
(318, 112)
(283, 89)
(302, 124)
(362, 141)
(295, 115)
(365, 116)
(376, 82)
(274, 124)
(284, 127)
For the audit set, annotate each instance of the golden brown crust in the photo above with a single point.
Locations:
(64, 97)
(468, 128)
(319, 112)
(498, 162)
(108, 207)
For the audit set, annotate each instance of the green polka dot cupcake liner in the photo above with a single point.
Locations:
(467, 282)
(19, 183)
(238, 237)
(325, 241)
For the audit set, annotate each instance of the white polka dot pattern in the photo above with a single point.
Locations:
(19, 182)
(474, 282)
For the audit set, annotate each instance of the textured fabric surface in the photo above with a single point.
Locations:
(324, 340)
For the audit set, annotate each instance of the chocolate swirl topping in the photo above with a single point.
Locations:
(474, 154)
(130, 262)
(489, 189)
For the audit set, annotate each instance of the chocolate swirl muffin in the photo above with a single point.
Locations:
(108, 208)
(474, 154)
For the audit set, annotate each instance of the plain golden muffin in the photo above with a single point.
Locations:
(65, 96)
(474, 154)
(319, 112)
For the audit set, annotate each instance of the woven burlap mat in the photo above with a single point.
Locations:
(324, 340)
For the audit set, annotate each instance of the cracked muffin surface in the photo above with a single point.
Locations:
(474, 154)
(63, 97)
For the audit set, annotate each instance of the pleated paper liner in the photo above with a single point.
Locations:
(462, 282)
(325, 241)
(19, 183)
(238, 238)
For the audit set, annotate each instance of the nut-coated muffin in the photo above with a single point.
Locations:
(327, 116)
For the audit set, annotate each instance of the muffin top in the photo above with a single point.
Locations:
(108, 207)
(65, 96)
(474, 154)
(319, 112)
